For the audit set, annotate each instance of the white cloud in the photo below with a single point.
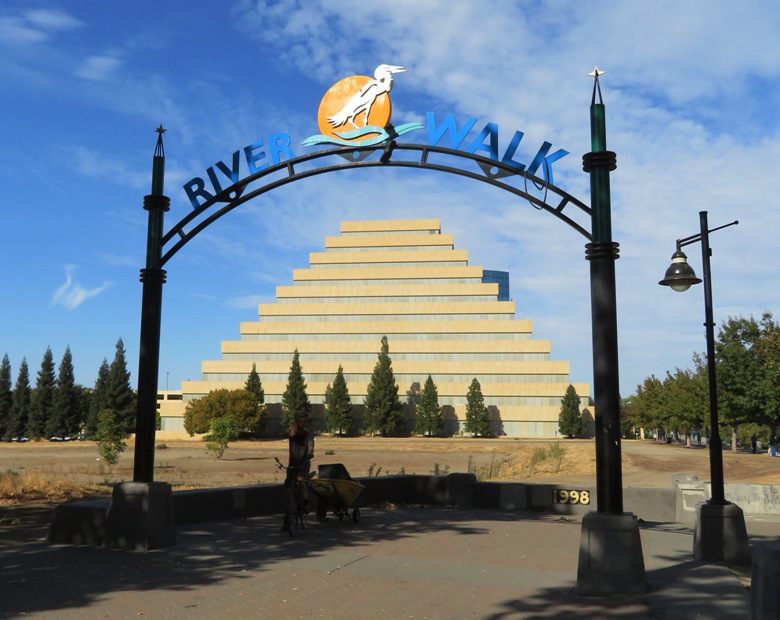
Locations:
(101, 165)
(34, 26)
(99, 67)
(14, 32)
(71, 294)
(48, 19)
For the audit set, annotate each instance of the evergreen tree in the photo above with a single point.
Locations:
(295, 401)
(119, 395)
(98, 400)
(110, 436)
(67, 416)
(6, 395)
(570, 422)
(383, 409)
(42, 399)
(84, 398)
(20, 408)
(414, 394)
(338, 406)
(477, 422)
(254, 385)
(429, 420)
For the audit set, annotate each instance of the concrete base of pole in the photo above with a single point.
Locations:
(140, 517)
(720, 534)
(611, 557)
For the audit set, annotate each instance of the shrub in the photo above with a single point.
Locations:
(238, 405)
(223, 431)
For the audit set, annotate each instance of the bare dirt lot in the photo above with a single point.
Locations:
(36, 476)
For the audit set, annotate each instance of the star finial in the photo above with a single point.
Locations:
(158, 150)
(596, 73)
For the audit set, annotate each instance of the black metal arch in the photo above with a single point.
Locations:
(492, 172)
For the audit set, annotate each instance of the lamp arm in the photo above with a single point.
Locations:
(681, 243)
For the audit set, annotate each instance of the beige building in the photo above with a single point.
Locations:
(442, 316)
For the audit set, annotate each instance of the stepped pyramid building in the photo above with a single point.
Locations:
(404, 280)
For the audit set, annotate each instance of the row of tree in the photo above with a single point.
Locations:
(56, 406)
(747, 365)
(383, 407)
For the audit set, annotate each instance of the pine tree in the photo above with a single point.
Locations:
(338, 407)
(429, 420)
(67, 417)
(477, 422)
(84, 398)
(20, 408)
(383, 409)
(98, 400)
(6, 396)
(570, 422)
(42, 399)
(110, 436)
(119, 395)
(295, 401)
(254, 385)
(414, 393)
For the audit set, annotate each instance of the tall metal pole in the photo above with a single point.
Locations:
(153, 278)
(602, 253)
(715, 443)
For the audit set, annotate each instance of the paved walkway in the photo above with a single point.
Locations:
(403, 563)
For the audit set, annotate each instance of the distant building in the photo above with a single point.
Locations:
(405, 280)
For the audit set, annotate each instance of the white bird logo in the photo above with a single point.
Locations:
(363, 100)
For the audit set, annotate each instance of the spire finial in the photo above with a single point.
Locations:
(596, 86)
(158, 151)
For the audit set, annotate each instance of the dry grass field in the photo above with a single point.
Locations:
(36, 476)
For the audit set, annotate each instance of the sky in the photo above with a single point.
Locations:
(692, 92)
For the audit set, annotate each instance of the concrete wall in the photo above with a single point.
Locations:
(84, 522)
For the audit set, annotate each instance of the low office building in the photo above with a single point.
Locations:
(442, 316)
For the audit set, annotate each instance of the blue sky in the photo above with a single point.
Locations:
(692, 92)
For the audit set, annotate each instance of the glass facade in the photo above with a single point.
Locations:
(502, 279)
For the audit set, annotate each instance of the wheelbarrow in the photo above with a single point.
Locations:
(336, 491)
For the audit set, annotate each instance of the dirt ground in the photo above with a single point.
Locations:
(36, 476)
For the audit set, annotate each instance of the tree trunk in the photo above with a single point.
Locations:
(734, 438)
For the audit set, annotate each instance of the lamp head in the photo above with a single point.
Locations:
(680, 275)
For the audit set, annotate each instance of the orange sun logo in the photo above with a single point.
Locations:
(356, 111)
(336, 101)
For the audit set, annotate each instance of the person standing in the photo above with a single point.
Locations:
(754, 443)
(301, 444)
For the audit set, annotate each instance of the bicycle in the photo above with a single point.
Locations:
(294, 515)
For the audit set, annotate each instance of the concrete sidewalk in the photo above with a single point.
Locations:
(396, 563)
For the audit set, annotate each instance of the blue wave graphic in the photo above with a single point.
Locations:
(349, 138)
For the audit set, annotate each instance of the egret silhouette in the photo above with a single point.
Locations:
(363, 100)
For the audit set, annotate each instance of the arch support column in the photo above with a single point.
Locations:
(148, 370)
(611, 558)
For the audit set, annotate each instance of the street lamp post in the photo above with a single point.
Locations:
(720, 533)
